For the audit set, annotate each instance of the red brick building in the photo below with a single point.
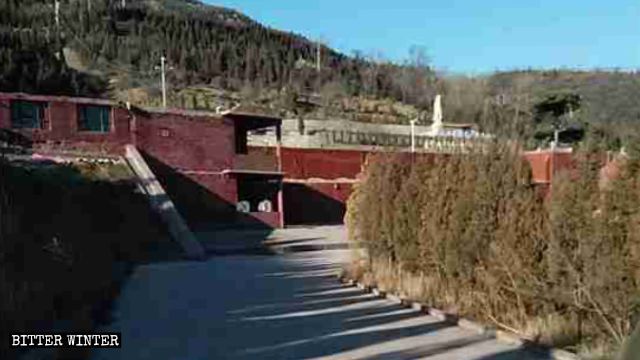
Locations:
(201, 158)
(69, 124)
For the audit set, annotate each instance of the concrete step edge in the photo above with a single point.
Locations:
(500, 335)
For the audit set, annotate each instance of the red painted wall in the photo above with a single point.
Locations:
(309, 201)
(563, 162)
(61, 126)
(322, 163)
(187, 142)
(545, 164)
(257, 158)
(314, 202)
(540, 167)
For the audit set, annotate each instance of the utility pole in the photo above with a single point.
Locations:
(318, 54)
(56, 8)
(570, 112)
(163, 69)
(164, 81)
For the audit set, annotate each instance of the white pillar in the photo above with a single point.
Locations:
(413, 135)
(164, 84)
(56, 9)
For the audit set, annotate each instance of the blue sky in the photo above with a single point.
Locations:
(467, 36)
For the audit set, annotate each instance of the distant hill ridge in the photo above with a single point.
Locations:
(217, 55)
(205, 44)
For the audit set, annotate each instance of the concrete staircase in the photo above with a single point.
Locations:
(162, 204)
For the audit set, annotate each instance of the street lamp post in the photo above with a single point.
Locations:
(164, 81)
(163, 75)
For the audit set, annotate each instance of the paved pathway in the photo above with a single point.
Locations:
(260, 241)
(276, 307)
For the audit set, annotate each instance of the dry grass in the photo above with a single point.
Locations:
(553, 329)
(63, 232)
(105, 172)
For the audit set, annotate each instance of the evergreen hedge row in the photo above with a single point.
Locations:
(482, 241)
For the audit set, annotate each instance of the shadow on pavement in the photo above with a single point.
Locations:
(273, 307)
(523, 353)
(429, 350)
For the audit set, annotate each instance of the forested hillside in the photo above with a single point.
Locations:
(111, 48)
(599, 105)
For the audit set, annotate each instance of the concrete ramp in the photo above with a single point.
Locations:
(162, 204)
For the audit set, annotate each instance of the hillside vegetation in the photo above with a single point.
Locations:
(219, 56)
(62, 261)
(205, 45)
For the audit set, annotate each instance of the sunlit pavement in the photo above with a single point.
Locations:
(277, 307)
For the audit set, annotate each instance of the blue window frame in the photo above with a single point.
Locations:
(94, 118)
(27, 114)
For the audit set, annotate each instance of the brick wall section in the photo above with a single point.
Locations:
(315, 202)
(61, 126)
(563, 162)
(540, 167)
(322, 163)
(339, 192)
(258, 158)
(329, 198)
(545, 164)
(187, 142)
(189, 154)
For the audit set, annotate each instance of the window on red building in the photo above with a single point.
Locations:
(27, 114)
(94, 118)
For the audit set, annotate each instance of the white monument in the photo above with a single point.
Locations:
(436, 126)
(452, 130)
(443, 136)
